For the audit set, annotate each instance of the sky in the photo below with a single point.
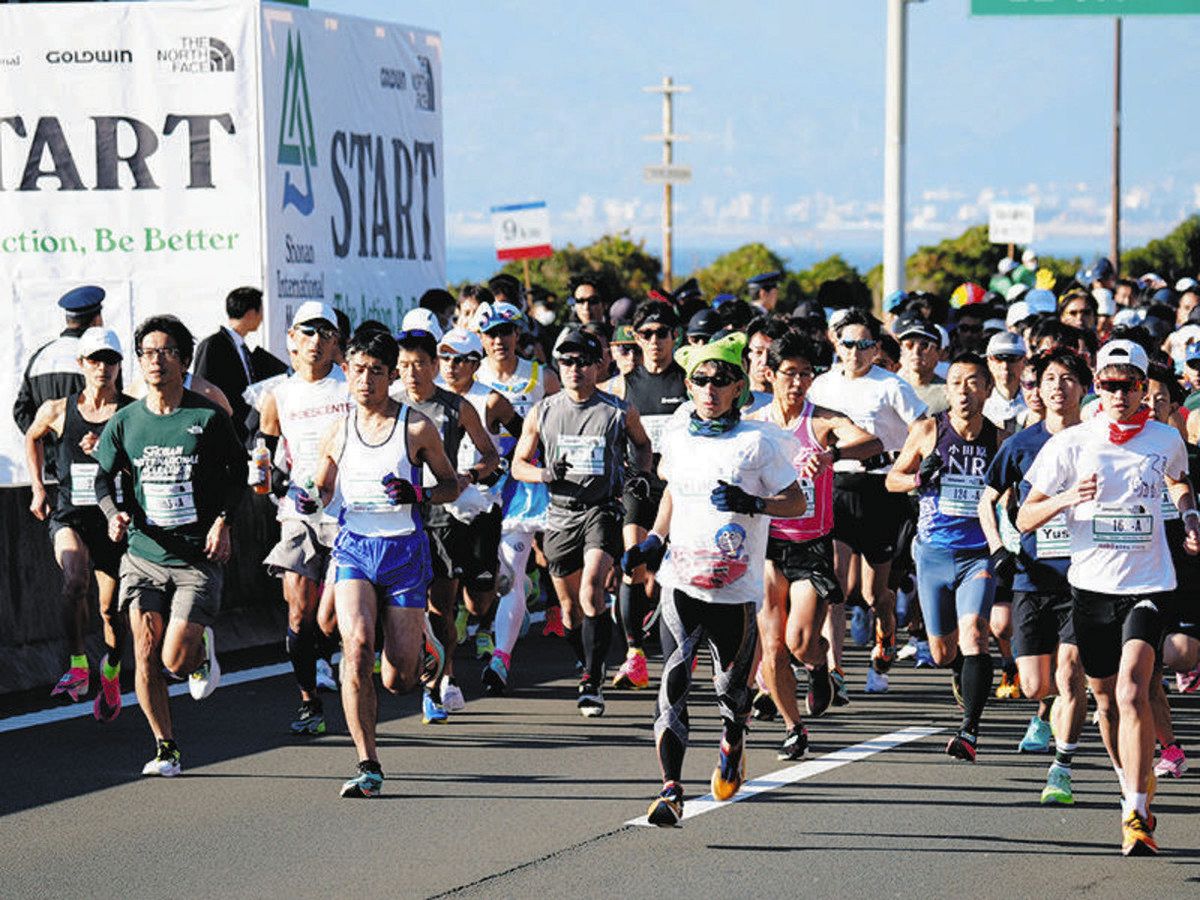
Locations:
(543, 101)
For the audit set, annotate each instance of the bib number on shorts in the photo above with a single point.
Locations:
(959, 495)
(1116, 527)
(584, 452)
(83, 484)
(169, 504)
(1054, 539)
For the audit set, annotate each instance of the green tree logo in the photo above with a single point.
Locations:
(297, 142)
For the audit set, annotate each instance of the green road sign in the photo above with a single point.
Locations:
(1084, 7)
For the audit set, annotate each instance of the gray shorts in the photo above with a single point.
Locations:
(189, 593)
(303, 548)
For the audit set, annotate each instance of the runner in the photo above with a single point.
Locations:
(656, 390)
(582, 434)
(373, 457)
(726, 477)
(77, 527)
(867, 519)
(300, 411)
(523, 383)
(452, 544)
(945, 460)
(189, 473)
(1044, 637)
(800, 581)
(1107, 475)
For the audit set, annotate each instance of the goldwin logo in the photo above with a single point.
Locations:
(89, 57)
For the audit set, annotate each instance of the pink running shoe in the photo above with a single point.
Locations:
(1188, 682)
(75, 684)
(554, 623)
(107, 705)
(1171, 762)
(633, 672)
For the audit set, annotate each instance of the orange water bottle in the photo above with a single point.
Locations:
(260, 467)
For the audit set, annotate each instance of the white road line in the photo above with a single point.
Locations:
(83, 709)
(807, 769)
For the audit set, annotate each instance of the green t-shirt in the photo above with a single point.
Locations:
(187, 467)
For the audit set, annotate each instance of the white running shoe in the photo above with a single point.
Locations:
(325, 679)
(207, 676)
(164, 764)
(909, 650)
(877, 683)
(452, 696)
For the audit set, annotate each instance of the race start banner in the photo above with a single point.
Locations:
(172, 151)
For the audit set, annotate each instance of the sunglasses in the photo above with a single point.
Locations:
(1008, 358)
(1029, 385)
(1119, 385)
(720, 380)
(315, 331)
(864, 344)
(590, 301)
(458, 359)
(655, 334)
(574, 362)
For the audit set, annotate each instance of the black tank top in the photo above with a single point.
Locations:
(76, 470)
(443, 410)
(656, 397)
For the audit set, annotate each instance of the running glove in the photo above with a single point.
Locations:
(931, 469)
(1004, 563)
(306, 504)
(400, 491)
(638, 487)
(649, 553)
(558, 469)
(731, 498)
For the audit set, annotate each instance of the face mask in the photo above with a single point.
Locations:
(544, 316)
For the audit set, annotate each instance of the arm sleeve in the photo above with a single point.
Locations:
(109, 456)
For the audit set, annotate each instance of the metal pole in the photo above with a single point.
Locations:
(893, 150)
(668, 199)
(1114, 249)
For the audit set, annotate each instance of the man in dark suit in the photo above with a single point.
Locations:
(224, 359)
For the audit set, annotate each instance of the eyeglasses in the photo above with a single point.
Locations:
(458, 359)
(795, 374)
(655, 334)
(573, 362)
(863, 344)
(501, 330)
(316, 331)
(720, 380)
(1119, 385)
(158, 353)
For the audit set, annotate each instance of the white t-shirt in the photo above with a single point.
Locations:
(1118, 545)
(879, 402)
(715, 556)
(1001, 411)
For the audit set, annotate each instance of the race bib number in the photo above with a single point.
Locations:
(169, 504)
(584, 453)
(83, 484)
(1170, 512)
(365, 495)
(1117, 527)
(810, 497)
(959, 495)
(1054, 539)
(655, 426)
(1009, 536)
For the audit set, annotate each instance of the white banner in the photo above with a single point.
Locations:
(129, 158)
(352, 148)
(1010, 223)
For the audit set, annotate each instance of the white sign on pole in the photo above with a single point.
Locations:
(1010, 223)
(521, 231)
(662, 174)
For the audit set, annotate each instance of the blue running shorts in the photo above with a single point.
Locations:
(398, 565)
(952, 584)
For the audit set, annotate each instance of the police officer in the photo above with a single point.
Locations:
(764, 290)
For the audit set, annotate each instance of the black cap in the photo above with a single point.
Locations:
(576, 340)
(689, 290)
(915, 326)
(764, 281)
(82, 301)
(704, 324)
(808, 309)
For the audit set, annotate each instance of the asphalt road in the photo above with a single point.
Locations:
(520, 796)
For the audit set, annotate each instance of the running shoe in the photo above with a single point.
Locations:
(730, 773)
(452, 696)
(883, 656)
(1171, 762)
(485, 646)
(460, 624)
(554, 623)
(1039, 737)
(591, 700)
(909, 650)
(799, 672)
(877, 683)
(1009, 687)
(924, 658)
(434, 662)
(107, 705)
(367, 783)
(633, 672)
(1137, 836)
(956, 688)
(165, 762)
(962, 746)
(667, 808)
(1188, 682)
(75, 683)
(1057, 791)
(325, 679)
(495, 677)
(820, 691)
(432, 712)
(860, 625)
(207, 676)
(310, 718)
(795, 744)
(763, 708)
(841, 694)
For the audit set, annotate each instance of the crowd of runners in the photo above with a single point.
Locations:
(999, 477)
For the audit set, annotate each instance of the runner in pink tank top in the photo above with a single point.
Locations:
(818, 490)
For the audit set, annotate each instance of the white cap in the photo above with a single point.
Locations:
(1018, 312)
(1016, 292)
(1006, 265)
(311, 310)
(1129, 316)
(1006, 344)
(1029, 256)
(945, 336)
(462, 342)
(422, 320)
(1105, 304)
(1186, 284)
(95, 340)
(1122, 353)
(835, 317)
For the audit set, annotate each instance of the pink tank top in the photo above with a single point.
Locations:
(818, 493)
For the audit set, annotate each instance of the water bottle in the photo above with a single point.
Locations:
(260, 467)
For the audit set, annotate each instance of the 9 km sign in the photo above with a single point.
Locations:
(522, 231)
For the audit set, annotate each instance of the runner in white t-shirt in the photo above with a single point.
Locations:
(1108, 475)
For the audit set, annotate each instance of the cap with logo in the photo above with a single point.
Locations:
(623, 334)
(704, 324)
(689, 290)
(1005, 343)
(99, 340)
(314, 311)
(500, 314)
(1122, 353)
(576, 340)
(462, 342)
(85, 300)
(422, 320)
(914, 326)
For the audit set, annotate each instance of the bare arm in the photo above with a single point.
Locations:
(207, 389)
(488, 457)
(268, 421)
(662, 521)
(643, 455)
(987, 518)
(523, 467)
(788, 504)
(430, 450)
(903, 476)
(1038, 508)
(51, 416)
(327, 468)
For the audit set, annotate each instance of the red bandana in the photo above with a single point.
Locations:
(1120, 432)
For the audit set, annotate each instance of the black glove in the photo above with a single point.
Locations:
(731, 498)
(280, 482)
(400, 491)
(638, 487)
(500, 471)
(931, 469)
(558, 469)
(1004, 563)
(649, 552)
(304, 502)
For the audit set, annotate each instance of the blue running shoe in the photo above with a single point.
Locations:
(860, 626)
(432, 712)
(1038, 737)
(367, 783)
(495, 677)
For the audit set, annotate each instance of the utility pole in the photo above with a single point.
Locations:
(668, 173)
(893, 148)
(1114, 249)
